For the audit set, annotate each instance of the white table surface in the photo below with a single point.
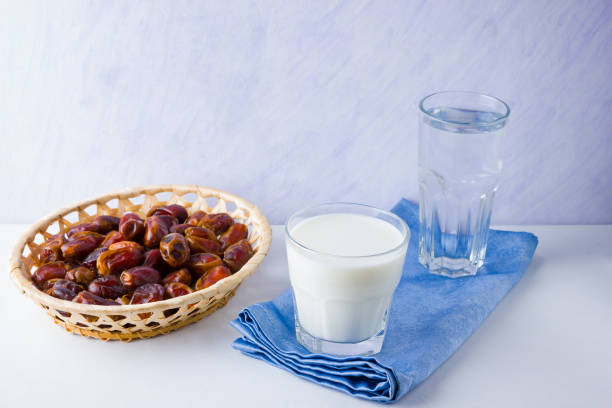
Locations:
(548, 344)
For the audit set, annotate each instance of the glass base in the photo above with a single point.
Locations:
(367, 347)
(451, 267)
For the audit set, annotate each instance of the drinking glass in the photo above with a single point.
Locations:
(461, 136)
(341, 289)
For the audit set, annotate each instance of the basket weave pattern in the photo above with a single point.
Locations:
(127, 322)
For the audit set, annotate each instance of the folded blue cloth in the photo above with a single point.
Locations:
(430, 317)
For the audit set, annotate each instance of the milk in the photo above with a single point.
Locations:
(344, 279)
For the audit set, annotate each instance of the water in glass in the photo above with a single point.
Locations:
(459, 167)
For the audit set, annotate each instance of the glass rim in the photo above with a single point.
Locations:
(472, 93)
(405, 233)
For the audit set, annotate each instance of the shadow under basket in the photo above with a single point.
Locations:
(127, 322)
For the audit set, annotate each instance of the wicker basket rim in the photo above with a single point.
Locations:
(18, 274)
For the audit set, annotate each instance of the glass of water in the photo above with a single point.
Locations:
(461, 137)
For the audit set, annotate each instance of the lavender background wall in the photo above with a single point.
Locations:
(291, 103)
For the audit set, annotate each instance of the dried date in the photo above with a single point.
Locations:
(115, 261)
(81, 244)
(174, 249)
(202, 239)
(91, 259)
(64, 289)
(46, 285)
(51, 251)
(53, 270)
(131, 227)
(201, 232)
(153, 259)
(175, 210)
(211, 277)
(182, 275)
(126, 244)
(107, 287)
(88, 298)
(147, 293)
(196, 218)
(200, 263)
(234, 234)
(139, 275)
(176, 289)
(219, 222)
(180, 228)
(88, 226)
(124, 300)
(237, 255)
(106, 223)
(81, 275)
(157, 227)
(112, 238)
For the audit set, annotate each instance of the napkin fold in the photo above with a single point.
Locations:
(430, 317)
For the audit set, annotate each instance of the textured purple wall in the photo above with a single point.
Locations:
(292, 103)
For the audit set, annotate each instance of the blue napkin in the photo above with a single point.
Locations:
(430, 317)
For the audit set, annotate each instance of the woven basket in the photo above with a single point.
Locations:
(129, 322)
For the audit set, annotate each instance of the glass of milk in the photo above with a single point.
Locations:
(345, 261)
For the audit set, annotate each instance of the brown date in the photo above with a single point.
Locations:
(234, 234)
(174, 249)
(203, 245)
(238, 254)
(219, 222)
(88, 298)
(126, 244)
(200, 263)
(211, 277)
(196, 218)
(202, 239)
(111, 238)
(153, 259)
(88, 226)
(64, 289)
(180, 228)
(91, 259)
(48, 284)
(157, 226)
(139, 275)
(147, 293)
(53, 270)
(106, 223)
(176, 289)
(81, 244)
(131, 227)
(72, 263)
(177, 211)
(91, 234)
(51, 250)
(201, 232)
(107, 287)
(182, 275)
(124, 300)
(81, 275)
(117, 260)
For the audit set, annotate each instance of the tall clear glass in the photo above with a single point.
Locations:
(461, 137)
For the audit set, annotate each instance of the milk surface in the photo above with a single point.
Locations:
(347, 234)
(340, 295)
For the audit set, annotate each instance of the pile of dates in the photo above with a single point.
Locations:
(128, 260)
